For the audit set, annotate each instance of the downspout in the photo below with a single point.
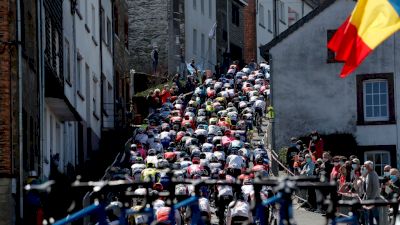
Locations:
(41, 83)
(20, 128)
(101, 69)
(270, 61)
(227, 28)
(76, 130)
(113, 56)
(275, 18)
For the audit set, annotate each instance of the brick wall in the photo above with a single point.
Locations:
(250, 33)
(5, 93)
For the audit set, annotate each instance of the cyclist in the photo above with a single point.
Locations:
(239, 211)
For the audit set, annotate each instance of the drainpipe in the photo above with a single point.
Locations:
(275, 18)
(228, 27)
(101, 68)
(20, 128)
(74, 52)
(113, 70)
(41, 84)
(274, 168)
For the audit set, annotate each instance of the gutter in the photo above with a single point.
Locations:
(101, 69)
(20, 128)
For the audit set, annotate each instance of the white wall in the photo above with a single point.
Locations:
(194, 19)
(108, 68)
(87, 44)
(265, 33)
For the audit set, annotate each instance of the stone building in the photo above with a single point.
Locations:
(160, 24)
(307, 93)
(230, 31)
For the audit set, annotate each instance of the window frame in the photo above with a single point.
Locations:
(79, 83)
(210, 9)
(360, 79)
(195, 41)
(391, 149)
(235, 14)
(202, 7)
(261, 16)
(381, 164)
(269, 21)
(281, 11)
(194, 4)
(67, 56)
(373, 118)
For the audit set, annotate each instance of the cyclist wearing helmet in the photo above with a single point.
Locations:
(152, 157)
(239, 211)
(150, 174)
(137, 168)
(224, 195)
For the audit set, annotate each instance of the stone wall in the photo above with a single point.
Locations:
(148, 26)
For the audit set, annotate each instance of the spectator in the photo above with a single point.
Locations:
(386, 171)
(150, 101)
(316, 145)
(327, 166)
(335, 174)
(371, 190)
(154, 59)
(291, 153)
(356, 169)
(165, 94)
(391, 188)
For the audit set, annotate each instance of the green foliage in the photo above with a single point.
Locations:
(282, 155)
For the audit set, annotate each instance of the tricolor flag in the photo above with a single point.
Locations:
(370, 23)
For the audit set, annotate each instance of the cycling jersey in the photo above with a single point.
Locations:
(235, 162)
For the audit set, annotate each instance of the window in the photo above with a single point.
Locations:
(194, 4)
(375, 99)
(203, 44)
(269, 21)
(109, 32)
(202, 6)
(210, 59)
(293, 16)
(194, 41)
(86, 11)
(94, 20)
(281, 11)
(126, 32)
(79, 78)
(102, 26)
(116, 17)
(235, 14)
(379, 158)
(87, 75)
(209, 9)
(330, 54)
(95, 94)
(67, 57)
(261, 15)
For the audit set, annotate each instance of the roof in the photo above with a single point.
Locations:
(295, 26)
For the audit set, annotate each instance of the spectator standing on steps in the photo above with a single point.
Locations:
(154, 59)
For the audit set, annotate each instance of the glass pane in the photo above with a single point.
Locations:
(378, 158)
(368, 112)
(376, 111)
(383, 87)
(383, 99)
(368, 88)
(376, 99)
(385, 158)
(370, 157)
(378, 170)
(375, 87)
(368, 99)
(384, 111)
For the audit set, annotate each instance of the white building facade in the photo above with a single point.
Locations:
(287, 13)
(200, 44)
(85, 68)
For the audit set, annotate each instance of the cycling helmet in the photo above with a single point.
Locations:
(139, 160)
(152, 152)
(133, 146)
(150, 165)
(222, 174)
(196, 160)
